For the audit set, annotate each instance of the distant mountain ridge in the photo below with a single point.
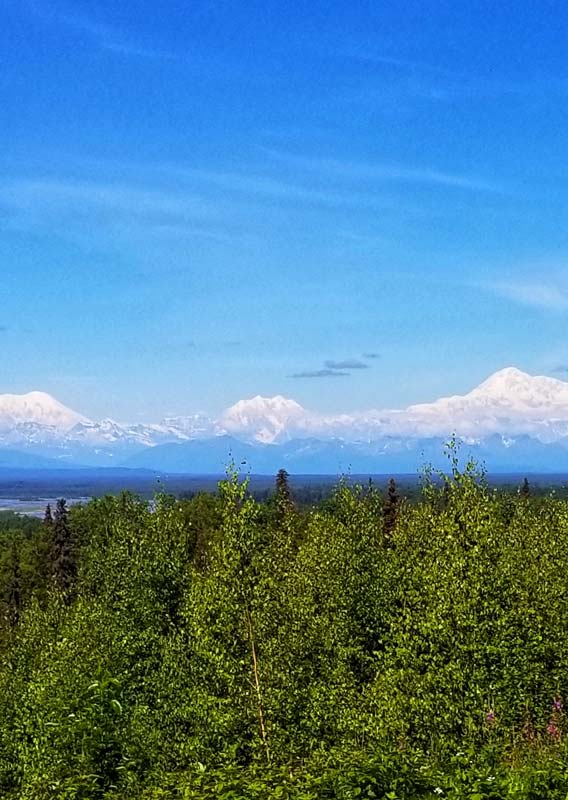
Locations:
(510, 420)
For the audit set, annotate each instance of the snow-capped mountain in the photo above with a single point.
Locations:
(36, 408)
(265, 419)
(508, 402)
(505, 419)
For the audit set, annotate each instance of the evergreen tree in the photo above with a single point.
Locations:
(390, 508)
(48, 516)
(14, 592)
(525, 490)
(283, 495)
(63, 555)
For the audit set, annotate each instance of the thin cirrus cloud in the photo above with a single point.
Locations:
(536, 295)
(112, 39)
(376, 171)
(53, 195)
(262, 185)
(110, 201)
(103, 36)
(99, 210)
(371, 355)
(439, 83)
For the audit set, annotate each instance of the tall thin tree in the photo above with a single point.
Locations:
(390, 508)
(48, 516)
(14, 592)
(283, 491)
(63, 553)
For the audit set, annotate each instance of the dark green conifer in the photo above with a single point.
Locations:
(63, 555)
(525, 490)
(283, 496)
(48, 516)
(390, 508)
(14, 589)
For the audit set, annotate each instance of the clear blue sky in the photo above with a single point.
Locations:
(200, 201)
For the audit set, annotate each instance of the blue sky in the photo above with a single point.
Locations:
(204, 201)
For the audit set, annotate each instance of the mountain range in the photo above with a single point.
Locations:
(512, 421)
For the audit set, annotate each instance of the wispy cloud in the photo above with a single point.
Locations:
(348, 363)
(371, 355)
(101, 34)
(416, 78)
(369, 53)
(537, 295)
(376, 171)
(65, 207)
(320, 373)
(165, 201)
(116, 197)
(266, 186)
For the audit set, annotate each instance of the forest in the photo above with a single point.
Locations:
(222, 646)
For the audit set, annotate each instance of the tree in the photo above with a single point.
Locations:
(14, 589)
(284, 501)
(525, 490)
(63, 555)
(390, 508)
(48, 517)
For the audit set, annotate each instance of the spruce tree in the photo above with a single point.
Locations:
(390, 508)
(14, 592)
(283, 496)
(525, 490)
(48, 516)
(63, 555)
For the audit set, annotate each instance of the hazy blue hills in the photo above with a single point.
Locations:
(16, 459)
(313, 456)
(304, 456)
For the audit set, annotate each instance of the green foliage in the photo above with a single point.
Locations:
(217, 647)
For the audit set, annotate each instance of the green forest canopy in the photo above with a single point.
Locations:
(222, 647)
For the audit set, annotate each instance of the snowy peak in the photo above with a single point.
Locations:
(263, 405)
(505, 379)
(522, 392)
(510, 402)
(36, 408)
(264, 419)
(508, 391)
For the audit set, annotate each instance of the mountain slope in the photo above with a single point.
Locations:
(14, 459)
